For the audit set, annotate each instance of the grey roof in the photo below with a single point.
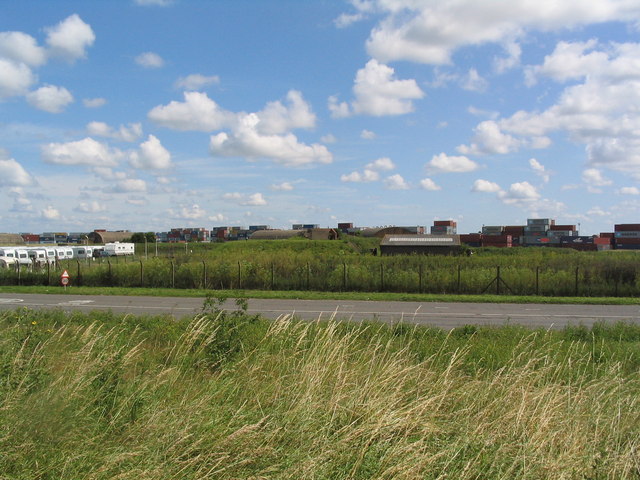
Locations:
(399, 240)
(107, 237)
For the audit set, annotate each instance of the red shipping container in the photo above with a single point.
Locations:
(607, 235)
(514, 230)
(470, 237)
(602, 241)
(627, 241)
(444, 223)
(627, 227)
(568, 228)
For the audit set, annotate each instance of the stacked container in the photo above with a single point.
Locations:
(497, 241)
(627, 236)
(535, 233)
(444, 227)
(516, 232)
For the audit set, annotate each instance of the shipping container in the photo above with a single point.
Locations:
(536, 228)
(540, 221)
(514, 230)
(583, 247)
(577, 240)
(607, 235)
(492, 229)
(635, 246)
(627, 234)
(437, 230)
(345, 226)
(627, 227)
(444, 223)
(562, 233)
(570, 228)
(627, 241)
(539, 240)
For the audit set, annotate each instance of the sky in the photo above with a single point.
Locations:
(146, 115)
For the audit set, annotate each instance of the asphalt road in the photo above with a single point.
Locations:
(443, 315)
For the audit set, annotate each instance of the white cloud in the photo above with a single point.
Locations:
(50, 213)
(21, 48)
(232, 196)
(357, 177)
(511, 60)
(444, 163)
(429, 184)
(367, 134)
(329, 138)
(91, 207)
(14, 174)
(485, 186)
(246, 141)
(255, 199)
(50, 98)
(94, 102)
(149, 60)
(219, 217)
(594, 178)
(519, 194)
(196, 81)
(129, 133)
(474, 82)
(630, 191)
(539, 169)
(190, 212)
(128, 185)
(277, 118)
(488, 139)
(282, 187)
(15, 78)
(396, 182)
(346, 19)
(429, 31)
(70, 38)
(152, 155)
(378, 93)
(381, 164)
(198, 112)
(83, 152)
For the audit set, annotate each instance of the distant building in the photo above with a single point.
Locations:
(102, 236)
(398, 244)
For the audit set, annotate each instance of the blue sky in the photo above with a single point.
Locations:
(151, 114)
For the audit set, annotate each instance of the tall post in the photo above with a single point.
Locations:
(78, 276)
(344, 276)
(537, 281)
(141, 274)
(204, 274)
(272, 276)
(239, 277)
(458, 286)
(173, 275)
(576, 289)
(420, 278)
(308, 275)
(381, 277)
(110, 276)
(498, 281)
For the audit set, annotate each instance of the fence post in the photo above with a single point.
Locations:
(48, 273)
(272, 282)
(537, 281)
(19, 276)
(420, 278)
(458, 289)
(141, 275)
(173, 275)
(204, 274)
(344, 275)
(110, 275)
(381, 277)
(308, 275)
(576, 289)
(79, 282)
(239, 277)
(497, 280)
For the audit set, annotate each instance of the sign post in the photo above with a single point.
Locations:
(64, 279)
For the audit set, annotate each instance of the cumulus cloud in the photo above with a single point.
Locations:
(50, 98)
(83, 152)
(367, 134)
(594, 179)
(444, 163)
(489, 139)
(378, 93)
(381, 164)
(15, 78)
(256, 199)
(91, 207)
(520, 193)
(630, 191)
(129, 185)
(188, 212)
(50, 213)
(357, 177)
(152, 155)
(129, 133)
(70, 38)
(396, 182)
(485, 186)
(430, 32)
(198, 112)
(474, 82)
(14, 174)
(149, 60)
(429, 184)
(21, 48)
(196, 81)
(278, 118)
(247, 141)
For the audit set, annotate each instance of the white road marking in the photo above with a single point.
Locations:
(75, 303)
(11, 300)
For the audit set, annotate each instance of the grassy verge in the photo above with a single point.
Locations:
(312, 295)
(228, 396)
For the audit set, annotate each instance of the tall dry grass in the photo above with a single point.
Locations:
(292, 400)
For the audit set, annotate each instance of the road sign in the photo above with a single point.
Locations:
(64, 279)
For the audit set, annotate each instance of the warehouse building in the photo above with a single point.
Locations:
(398, 244)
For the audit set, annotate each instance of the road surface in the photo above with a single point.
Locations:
(443, 315)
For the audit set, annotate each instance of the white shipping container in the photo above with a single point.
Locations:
(627, 234)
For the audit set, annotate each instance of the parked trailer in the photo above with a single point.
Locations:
(83, 252)
(118, 249)
(38, 256)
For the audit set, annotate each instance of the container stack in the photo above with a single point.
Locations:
(627, 236)
(582, 243)
(535, 233)
(492, 229)
(516, 232)
(562, 231)
(471, 239)
(503, 241)
(444, 227)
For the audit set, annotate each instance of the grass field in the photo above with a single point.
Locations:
(229, 396)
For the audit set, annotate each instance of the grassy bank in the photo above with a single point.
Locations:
(228, 396)
(314, 295)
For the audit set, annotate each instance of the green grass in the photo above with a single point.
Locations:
(312, 295)
(229, 396)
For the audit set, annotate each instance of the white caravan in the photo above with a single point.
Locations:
(38, 256)
(82, 252)
(118, 249)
